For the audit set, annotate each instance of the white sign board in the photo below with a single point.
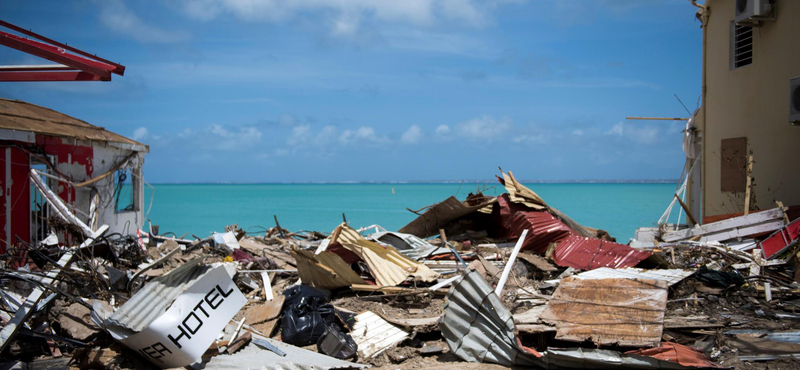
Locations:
(181, 335)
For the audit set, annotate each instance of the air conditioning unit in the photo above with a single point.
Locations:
(794, 101)
(753, 11)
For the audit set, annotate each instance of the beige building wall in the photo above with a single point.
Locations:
(753, 102)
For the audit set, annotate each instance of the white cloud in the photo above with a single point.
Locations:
(347, 17)
(300, 135)
(644, 135)
(443, 130)
(140, 133)
(577, 132)
(116, 16)
(617, 129)
(243, 138)
(483, 128)
(362, 135)
(412, 135)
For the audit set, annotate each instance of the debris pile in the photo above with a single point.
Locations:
(506, 280)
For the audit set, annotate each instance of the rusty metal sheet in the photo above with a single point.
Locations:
(591, 253)
(677, 353)
(324, 270)
(439, 215)
(628, 312)
(23, 116)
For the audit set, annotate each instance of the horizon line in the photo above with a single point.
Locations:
(586, 181)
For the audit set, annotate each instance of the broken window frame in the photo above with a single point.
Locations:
(130, 173)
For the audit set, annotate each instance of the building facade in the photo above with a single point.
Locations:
(751, 51)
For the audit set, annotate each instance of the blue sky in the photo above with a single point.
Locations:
(379, 90)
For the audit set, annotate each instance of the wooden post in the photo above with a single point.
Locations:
(749, 185)
(686, 209)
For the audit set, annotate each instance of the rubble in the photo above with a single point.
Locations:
(505, 280)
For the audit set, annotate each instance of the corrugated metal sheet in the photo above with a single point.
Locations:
(677, 353)
(324, 270)
(672, 276)
(23, 116)
(627, 312)
(439, 215)
(252, 358)
(388, 266)
(584, 358)
(478, 328)
(543, 228)
(375, 335)
(155, 297)
(409, 245)
(590, 253)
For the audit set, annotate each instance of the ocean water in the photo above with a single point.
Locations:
(200, 209)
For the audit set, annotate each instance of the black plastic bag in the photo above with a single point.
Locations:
(719, 278)
(337, 344)
(306, 314)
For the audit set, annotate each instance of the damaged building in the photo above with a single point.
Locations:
(96, 173)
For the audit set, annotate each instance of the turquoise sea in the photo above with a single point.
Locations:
(199, 209)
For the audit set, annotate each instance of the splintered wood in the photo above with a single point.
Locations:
(628, 312)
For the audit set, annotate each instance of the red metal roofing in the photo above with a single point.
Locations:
(591, 253)
(677, 353)
(572, 250)
(543, 228)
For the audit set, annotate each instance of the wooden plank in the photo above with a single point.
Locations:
(749, 186)
(686, 209)
(627, 312)
(375, 335)
(26, 310)
(732, 227)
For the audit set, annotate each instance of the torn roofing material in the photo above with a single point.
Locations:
(543, 228)
(388, 266)
(672, 276)
(23, 116)
(677, 353)
(155, 298)
(439, 215)
(374, 335)
(584, 358)
(627, 312)
(324, 270)
(591, 253)
(478, 328)
(409, 245)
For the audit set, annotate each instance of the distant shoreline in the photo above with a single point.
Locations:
(444, 182)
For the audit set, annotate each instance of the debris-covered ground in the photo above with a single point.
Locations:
(488, 282)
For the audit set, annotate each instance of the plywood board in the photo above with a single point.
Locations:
(628, 312)
(733, 164)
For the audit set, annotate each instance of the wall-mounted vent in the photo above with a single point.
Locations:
(741, 45)
(753, 11)
(794, 101)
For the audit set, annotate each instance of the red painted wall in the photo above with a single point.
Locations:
(19, 190)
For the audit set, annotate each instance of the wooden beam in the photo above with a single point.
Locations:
(686, 209)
